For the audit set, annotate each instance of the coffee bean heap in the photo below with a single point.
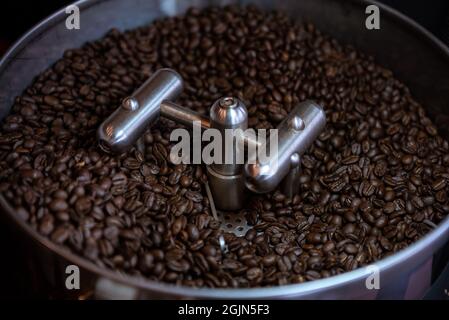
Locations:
(375, 181)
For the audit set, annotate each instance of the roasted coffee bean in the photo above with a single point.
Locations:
(192, 231)
(131, 163)
(60, 235)
(328, 246)
(185, 181)
(46, 225)
(269, 260)
(58, 205)
(254, 274)
(83, 205)
(174, 178)
(194, 196)
(351, 248)
(22, 213)
(177, 226)
(438, 184)
(146, 262)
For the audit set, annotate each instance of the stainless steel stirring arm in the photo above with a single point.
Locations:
(227, 181)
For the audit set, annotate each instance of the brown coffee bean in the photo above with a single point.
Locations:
(209, 250)
(58, 205)
(174, 178)
(269, 260)
(146, 262)
(351, 249)
(192, 231)
(254, 274)
(83, 205)
(60, 235)
(328, 246)
(438, 184)
(22, 213)
(46, 225)
(51, 100)
(314, 238)
(185, 181)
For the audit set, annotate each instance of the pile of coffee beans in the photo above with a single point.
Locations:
(374, 182)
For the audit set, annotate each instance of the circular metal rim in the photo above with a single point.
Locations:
(432, 238)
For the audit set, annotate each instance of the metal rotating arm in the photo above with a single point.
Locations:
(154, 98)
(295, 134)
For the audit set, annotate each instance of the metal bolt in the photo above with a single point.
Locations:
(228, 102)
(295, 160)
(130, 104)
(223, 245)
(297, 124)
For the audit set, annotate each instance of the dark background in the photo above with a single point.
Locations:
(17, 16)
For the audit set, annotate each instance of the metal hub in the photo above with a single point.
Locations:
(234, 222)
(228, 179)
